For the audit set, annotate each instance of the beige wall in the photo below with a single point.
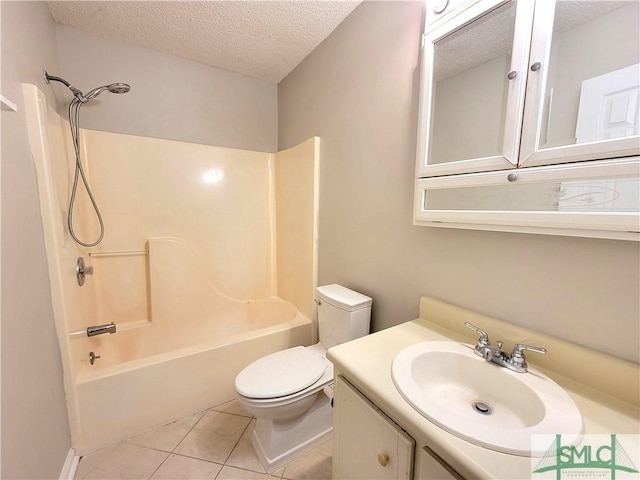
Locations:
(170, 98)
(35, 432)
(358, 92)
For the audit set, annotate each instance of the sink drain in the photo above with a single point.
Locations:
(482, 408)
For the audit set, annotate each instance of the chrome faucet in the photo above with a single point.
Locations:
(515, 361)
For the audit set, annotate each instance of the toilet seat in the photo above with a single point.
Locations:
(280, 374)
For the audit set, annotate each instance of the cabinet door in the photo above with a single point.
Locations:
(584, 77)
(597, 199)
(367, 444)
(473, 85)
(430, 467)
(441, 10)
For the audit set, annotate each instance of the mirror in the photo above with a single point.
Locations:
(591, 92)
(470, 87)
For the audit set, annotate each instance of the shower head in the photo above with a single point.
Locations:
(119, 88)
(113, 88)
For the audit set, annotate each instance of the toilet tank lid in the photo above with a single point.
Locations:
(342, 297)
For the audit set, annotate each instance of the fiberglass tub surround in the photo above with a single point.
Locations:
(186, 269)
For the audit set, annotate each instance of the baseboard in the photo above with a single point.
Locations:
(70, 466)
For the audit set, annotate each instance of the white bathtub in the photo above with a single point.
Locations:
(182, 358)
(119, 400)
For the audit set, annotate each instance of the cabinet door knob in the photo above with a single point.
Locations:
(536, 66)
(383, 459)
(512, 177)
(512, 74)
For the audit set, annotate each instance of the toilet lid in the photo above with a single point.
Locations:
(280, 374)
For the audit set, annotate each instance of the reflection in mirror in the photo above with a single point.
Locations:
(592, 86)
(619, 194)
(470, 88)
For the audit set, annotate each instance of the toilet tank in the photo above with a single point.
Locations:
(343, 314)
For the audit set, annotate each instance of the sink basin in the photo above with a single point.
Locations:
(482, 402)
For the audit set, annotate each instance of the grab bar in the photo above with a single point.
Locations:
(94, 330)
(124, 253)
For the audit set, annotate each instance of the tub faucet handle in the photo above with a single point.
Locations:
(93, 357)
(82, 270)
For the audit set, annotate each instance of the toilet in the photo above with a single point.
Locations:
(289, 392)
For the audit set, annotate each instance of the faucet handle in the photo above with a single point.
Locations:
(483, 341)
(517, 357)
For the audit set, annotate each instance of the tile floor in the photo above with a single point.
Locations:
(213, 444)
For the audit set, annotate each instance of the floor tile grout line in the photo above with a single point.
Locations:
(158, 467)
(196, 458)
(111, 447)
(237, 442)
(202, 415)
(171, 452)
(213, 409)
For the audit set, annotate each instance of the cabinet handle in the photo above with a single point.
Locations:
(512, 177)
(536, 66)
(383, 459)
(512, 74)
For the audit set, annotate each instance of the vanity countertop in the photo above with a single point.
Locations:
(366, 363)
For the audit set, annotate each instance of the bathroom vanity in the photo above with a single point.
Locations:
(379, 435)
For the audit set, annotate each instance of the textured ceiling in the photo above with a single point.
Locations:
(260, 39)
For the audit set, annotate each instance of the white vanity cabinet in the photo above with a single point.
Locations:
(367, 444)
(429, 466)
(510, 86)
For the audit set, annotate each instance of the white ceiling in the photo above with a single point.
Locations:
(260, 39)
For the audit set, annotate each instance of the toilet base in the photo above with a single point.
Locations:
(279, 442)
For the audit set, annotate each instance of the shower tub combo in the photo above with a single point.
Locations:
(189, 270)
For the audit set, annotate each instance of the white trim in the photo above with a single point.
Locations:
(563, 232)
(605, 168)
(8, 104)
(70, 465)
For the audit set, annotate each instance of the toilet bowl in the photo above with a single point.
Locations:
(287, 391)
(266, 394)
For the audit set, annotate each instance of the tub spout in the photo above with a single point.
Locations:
(100, 329)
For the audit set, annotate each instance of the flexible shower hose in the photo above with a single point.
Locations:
(74, 122)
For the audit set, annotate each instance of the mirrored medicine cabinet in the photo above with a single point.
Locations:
(529, 117)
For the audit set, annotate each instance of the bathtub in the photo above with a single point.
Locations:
(187, 271)
(116, 401)
(183, 357)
